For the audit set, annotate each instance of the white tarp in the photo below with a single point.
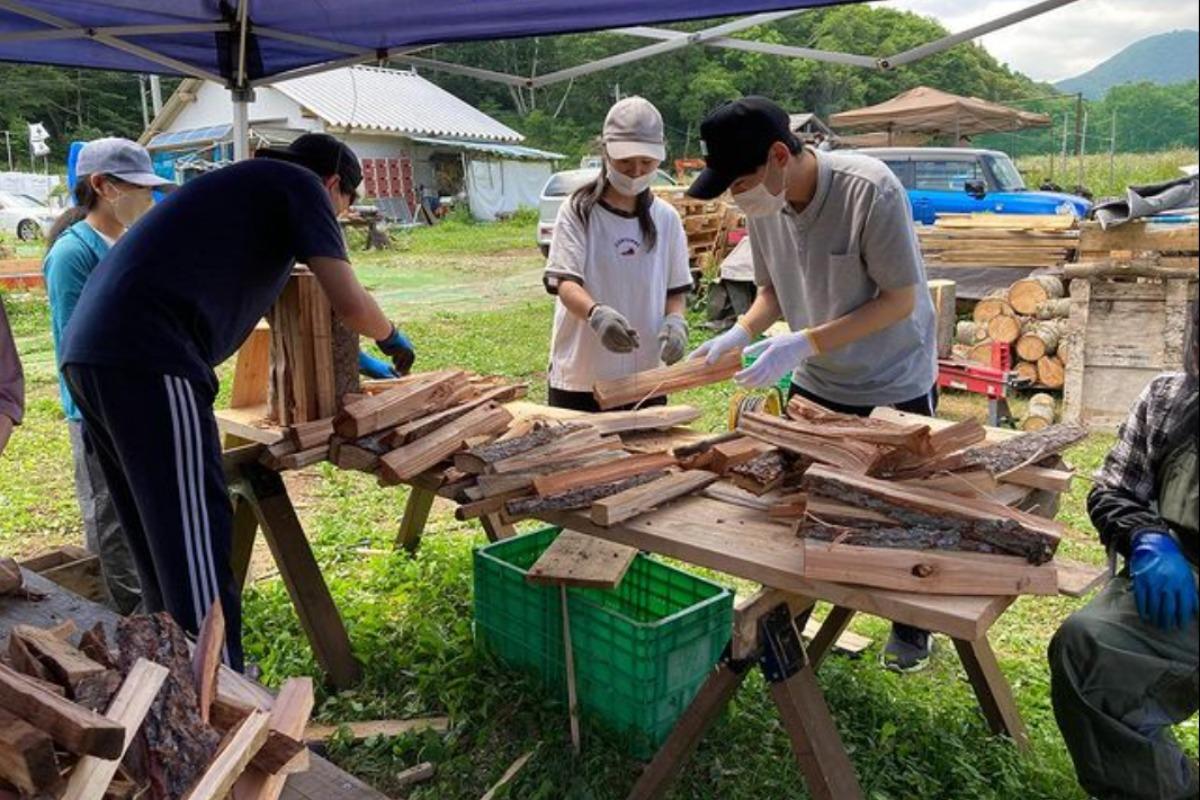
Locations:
(501, 187)
(29, 183)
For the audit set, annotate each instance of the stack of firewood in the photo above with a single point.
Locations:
(146, 718)
(1030, 317)
(405, 423)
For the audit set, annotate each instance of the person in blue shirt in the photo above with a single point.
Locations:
(112, 190)
(175, 297)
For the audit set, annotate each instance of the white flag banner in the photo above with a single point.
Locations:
(40, 149)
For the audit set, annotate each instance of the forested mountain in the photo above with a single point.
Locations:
(1164, 59)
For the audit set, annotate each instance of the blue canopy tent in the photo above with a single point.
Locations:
(245, 44)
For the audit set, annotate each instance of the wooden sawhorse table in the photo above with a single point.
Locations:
(740, 542)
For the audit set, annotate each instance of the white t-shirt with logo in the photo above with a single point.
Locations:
(608, 257)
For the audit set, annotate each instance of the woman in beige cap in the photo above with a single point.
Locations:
(619, 267)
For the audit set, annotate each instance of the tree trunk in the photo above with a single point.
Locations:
(969, 333)
(995, 304)
(1041, 341)
(1026, 294)
(1050, 372)
(1058, 308)
(1004, 329)
(1040, 414)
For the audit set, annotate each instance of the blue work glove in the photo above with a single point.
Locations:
(397, 347)
(1162, 580)
(372, 367)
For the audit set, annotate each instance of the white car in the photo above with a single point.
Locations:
(24, 217)
(561, 186)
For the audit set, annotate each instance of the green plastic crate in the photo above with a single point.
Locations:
(641, 650)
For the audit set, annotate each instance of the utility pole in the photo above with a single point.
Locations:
(1079, 124)
(1066, 120)
(1082, 137)
(1112, 150)
(142, 95)
(156, 94)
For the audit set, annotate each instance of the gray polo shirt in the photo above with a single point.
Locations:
(855, 238)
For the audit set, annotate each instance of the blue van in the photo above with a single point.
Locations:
(962, 180)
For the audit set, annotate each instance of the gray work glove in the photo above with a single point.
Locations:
(615, 332)
(672, 338)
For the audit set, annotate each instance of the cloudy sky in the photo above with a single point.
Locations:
(1064, 42)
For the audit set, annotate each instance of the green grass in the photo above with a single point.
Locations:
(409, 617)
(1106, 179)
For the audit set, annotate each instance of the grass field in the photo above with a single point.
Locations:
(1104, 176)
(473, 298)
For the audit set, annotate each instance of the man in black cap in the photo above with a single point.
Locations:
(835, 254)
(175, 297)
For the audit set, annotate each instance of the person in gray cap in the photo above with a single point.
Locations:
(836, 256)
(618, 265)
(1123, 669)
(112, 191)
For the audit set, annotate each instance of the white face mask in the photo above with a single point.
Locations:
(129, 206)
(630, 187)
(758, 201)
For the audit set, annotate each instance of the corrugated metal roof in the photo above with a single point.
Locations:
(509, 150)
(392, 101)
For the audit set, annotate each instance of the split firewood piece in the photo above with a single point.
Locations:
(304, 458)
(761, 474)
(284, 752)
(640, 499)
(406, 462)
(26, 662)
(477, 460)
(698, 455)
(11, 580)
(980, 521)
(949, 452)
(792, 506)
(737, 451)
(581, 497)
(93, 643)
(850, 455)
(91, 776)
(687, 374)
(206, 658)
(1027, 448)
(422, 426)
(234, 755)
(560, 482)
(74, 727)
(27, 758)
(928, 572)
(968, 483)
(1036, 477)
(178, 742)
(558, 455)
(643, 419)
(414, 775)
(812, 417)
(489, 485)
(307, 435)
(407, 402)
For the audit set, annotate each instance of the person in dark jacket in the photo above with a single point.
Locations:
(12, 382)
(1124, 668)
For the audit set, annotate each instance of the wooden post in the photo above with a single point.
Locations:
(993, 691)
(816, 743)
(416, 514)
(944, 294)
(569, 655)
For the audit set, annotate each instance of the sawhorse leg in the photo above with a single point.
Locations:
(496, 528)
(993, 690)
(816, 743)
(831, 629)
(245, 528)
(263, 491)
(416, 514)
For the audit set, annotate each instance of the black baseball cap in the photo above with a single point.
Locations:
(322, 154)
(735, 138)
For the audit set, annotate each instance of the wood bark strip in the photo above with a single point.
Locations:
(557, 454)
(206, 659)
(577, 498)
(1028, 448)
(1006, 530)
(687, 374)
(476, 460)
(760, 475)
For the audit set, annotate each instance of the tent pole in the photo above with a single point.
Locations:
(241, 123)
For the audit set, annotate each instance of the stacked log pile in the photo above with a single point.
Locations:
(143, 716)
(999, 240)
(1029, 317)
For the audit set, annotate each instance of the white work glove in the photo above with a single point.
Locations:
(774, 358)
(735, 338)
(615, 332)
(672, 338)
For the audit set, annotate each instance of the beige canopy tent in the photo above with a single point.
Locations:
(933, 112)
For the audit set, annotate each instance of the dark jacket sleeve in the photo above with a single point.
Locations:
(1118, 515)
(12, 377)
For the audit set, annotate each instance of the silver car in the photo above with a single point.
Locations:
(561, 186)
(25, 217)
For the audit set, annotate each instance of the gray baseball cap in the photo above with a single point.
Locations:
(120, 158)
(634, 128)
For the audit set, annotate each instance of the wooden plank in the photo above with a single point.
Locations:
(304, 458)
(576, 559)
(236, 751)
(748, 611)
(687, 374)
(507, 777)
(289, 715)
(317, 732)
(416, 514)
(91, 775)
(643, 419)
(249, 423)
(1139, 236)
(206, 658)
(560, 482)
(647, 497)
(412, 459)
(889, 414)
(422, 426)
(321, 327)
(307, 435)
(739, 541)
(26, 757)
(928, 571)
(252, 369)
(1076, 579)
(74, 727)
(1035, 477)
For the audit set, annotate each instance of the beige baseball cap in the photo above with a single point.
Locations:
(634, 128)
